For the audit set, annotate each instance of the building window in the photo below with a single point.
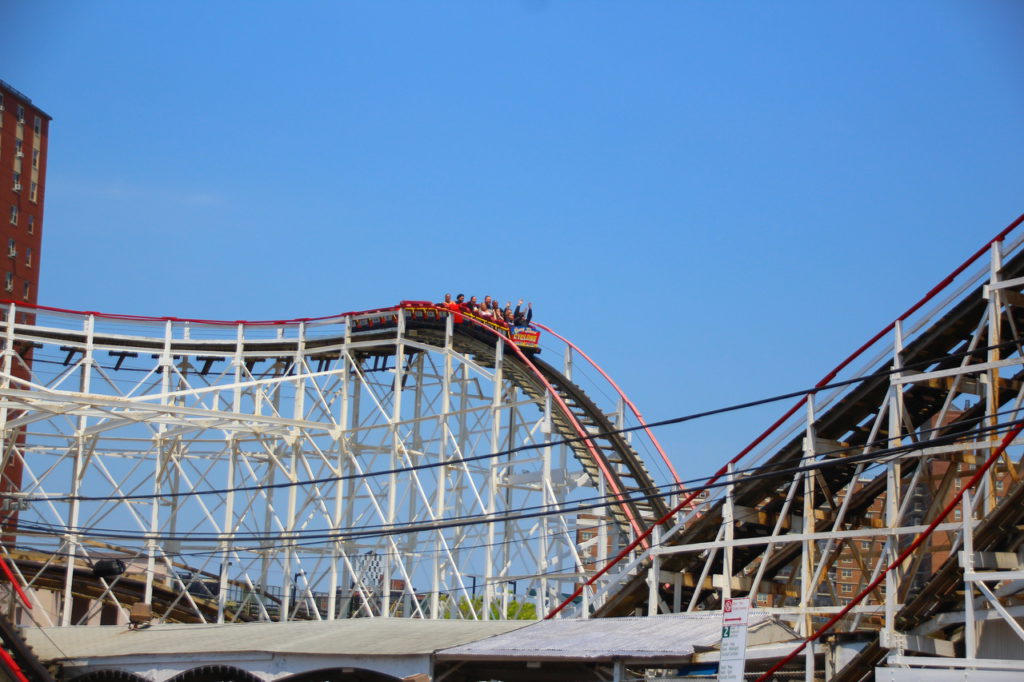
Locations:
(847, 573)
(957, 516)
(14, 215)
(17, 148)
(26, 290)
(866, 544)
(17, 182)
(846, 588)
(21, 114)
(38, 126)
(999, 484)
(9, 281)
(28, 256)
(32, 191)
(12, 248)
(31, 224)
(35, 158)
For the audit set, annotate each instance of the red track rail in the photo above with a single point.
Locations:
(8, 662)
(629, 403)
(580, 431)
(152, 318)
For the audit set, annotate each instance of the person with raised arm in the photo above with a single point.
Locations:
(521, 319)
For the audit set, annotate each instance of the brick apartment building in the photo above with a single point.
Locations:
(943, 479)
(23, 143)
(942, 482)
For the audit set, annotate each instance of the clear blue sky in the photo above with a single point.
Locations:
(718, 201)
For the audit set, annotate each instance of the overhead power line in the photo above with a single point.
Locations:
(293, 538)
(528, 446)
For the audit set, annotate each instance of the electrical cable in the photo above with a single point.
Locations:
(533, 446)
(607, 524)
(558, 509)
(320, 536)
(1017, 429)
(763, 471)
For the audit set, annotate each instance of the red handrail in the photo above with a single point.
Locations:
(625, 398)
(14, 583)
(153, 318)
(12, 666)
(584, 436)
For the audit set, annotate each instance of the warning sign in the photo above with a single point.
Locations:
(733, 651)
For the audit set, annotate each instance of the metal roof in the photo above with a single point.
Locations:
(355, 636)
(655, 638)
(666, 637)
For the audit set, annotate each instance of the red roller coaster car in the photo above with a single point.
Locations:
(526, 338)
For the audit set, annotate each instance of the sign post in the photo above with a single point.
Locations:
(733, 651)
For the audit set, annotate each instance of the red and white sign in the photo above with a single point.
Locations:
(732, 653)
(736, 611)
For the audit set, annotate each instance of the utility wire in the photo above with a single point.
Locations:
(320, 535)
(526, 447)
(836, 457)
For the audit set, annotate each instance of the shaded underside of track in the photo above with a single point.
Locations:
(848, 424)
(606, 456)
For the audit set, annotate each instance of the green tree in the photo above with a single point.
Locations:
(516, 610)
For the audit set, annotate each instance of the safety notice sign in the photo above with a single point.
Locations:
(733, 652)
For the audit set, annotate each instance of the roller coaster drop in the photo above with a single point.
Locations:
(388, 462)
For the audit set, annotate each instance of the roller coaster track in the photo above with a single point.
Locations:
(867, 474)
(388, 339)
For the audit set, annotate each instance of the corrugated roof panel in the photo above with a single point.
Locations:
(356, 636)
(655, 637)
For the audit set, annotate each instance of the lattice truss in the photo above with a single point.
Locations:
(320, 469)
(844, 485)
